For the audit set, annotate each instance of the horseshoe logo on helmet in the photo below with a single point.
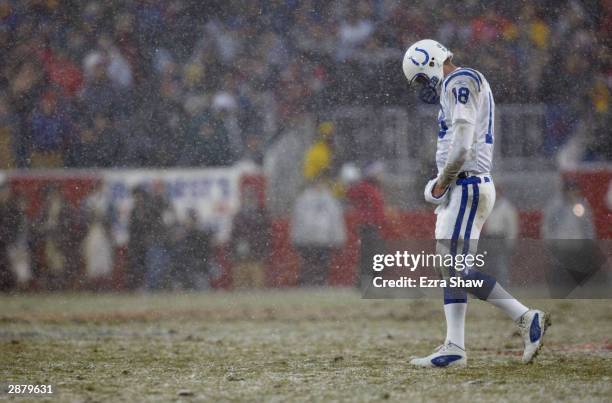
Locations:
(424, 52)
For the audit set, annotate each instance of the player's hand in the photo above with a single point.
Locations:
(435, 194)
(438, 191)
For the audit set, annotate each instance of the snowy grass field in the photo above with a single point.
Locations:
(322, 345)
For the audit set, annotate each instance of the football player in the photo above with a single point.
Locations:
(464, 192)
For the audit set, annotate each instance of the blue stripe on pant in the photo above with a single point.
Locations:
(487, 281)
(457, 295)
(470, 222)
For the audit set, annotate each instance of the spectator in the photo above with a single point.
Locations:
(250, 241)
(99, 143)
(50, 132)
(19, 251)
(317, 230)
(193, 254)
(97, 247)
(149, 246)
(355, 30)
(26, 83)
(159, 216)
(366, 198)
(9, 222)
(499, 237)
(319, 157)
(118, 69)
(224, 108)
(568, 215)
(207, 143)
(99, 95)
(9, 134)
(62, 71)
(59, 234)
(138, 236)
(569, 234)
(167, 131)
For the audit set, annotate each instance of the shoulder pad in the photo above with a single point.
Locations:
(464, 72)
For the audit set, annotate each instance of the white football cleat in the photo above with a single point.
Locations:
(446, 355)
(533, 325)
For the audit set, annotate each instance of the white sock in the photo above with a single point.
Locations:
(506, 302)
(455, 323)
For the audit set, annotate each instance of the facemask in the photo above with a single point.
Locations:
(428, 92)
(429, 95)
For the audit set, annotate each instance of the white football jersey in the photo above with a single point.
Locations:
(467, 97)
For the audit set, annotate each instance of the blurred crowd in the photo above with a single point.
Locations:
(63, 245)
(208, 83)
(72, 246)
(68, 245)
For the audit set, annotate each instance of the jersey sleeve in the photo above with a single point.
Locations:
(463, 94)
